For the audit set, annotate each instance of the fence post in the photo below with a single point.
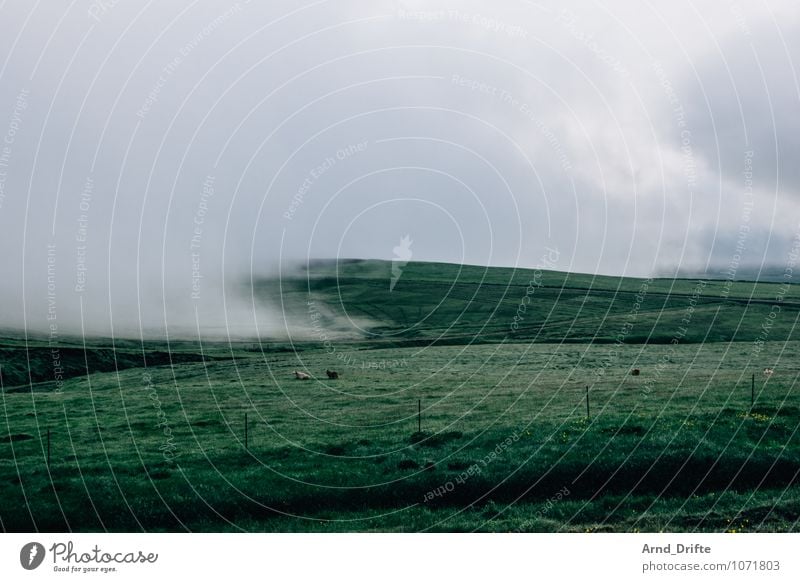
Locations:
(587, 404)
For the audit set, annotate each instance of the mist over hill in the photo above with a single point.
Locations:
(460, 304)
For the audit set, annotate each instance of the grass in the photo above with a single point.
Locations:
(458, 304)
(505, 443)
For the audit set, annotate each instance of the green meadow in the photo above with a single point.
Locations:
(469, 399)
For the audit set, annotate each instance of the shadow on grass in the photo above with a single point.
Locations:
(206, 503)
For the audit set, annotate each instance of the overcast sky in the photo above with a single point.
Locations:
(152, 144)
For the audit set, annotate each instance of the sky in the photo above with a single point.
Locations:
(156, 156)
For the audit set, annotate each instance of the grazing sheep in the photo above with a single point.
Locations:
(635, 372)
(301, 375)
(332, 375)
(768, 372)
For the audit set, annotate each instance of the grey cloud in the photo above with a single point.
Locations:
(335, 128)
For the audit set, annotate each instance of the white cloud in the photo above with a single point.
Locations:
(506, 128)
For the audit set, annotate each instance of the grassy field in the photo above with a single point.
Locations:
(151, 436)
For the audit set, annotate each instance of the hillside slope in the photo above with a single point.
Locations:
(463, 304)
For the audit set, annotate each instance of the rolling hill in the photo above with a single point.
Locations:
(460, 304)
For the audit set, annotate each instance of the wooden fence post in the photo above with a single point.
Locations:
(588, 416)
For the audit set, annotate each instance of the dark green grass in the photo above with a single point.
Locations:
(348, 452)
(505, 444)
(458, 304)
